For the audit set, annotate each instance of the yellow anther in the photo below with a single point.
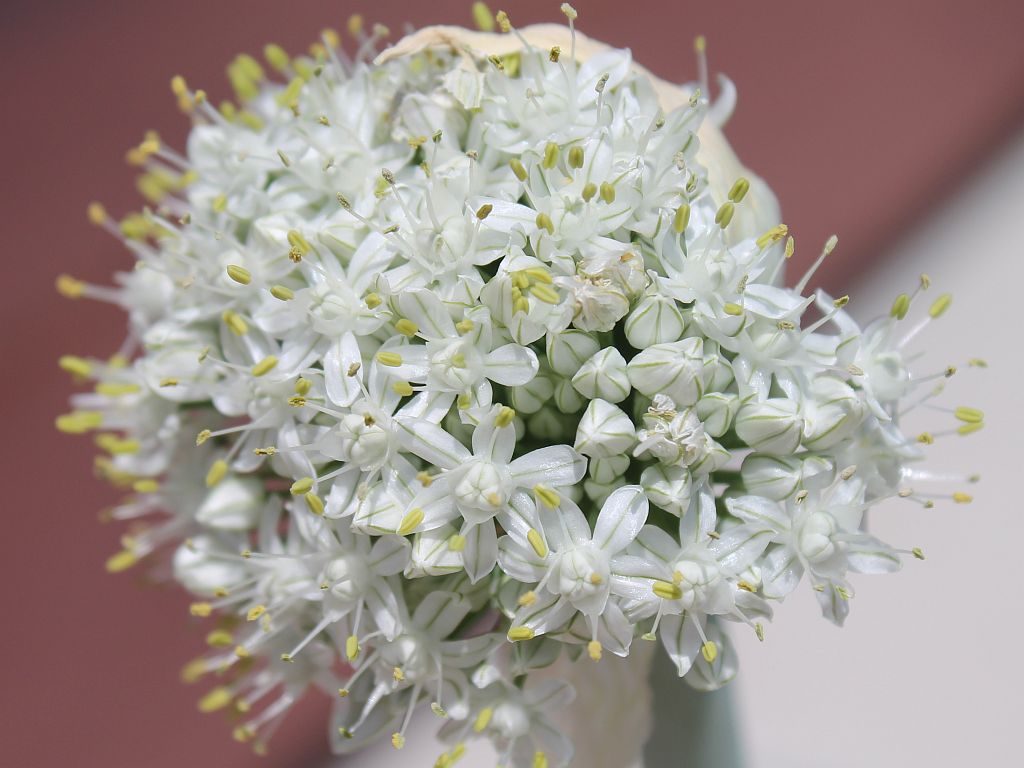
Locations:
(537, 542)
(219, 204)
(437, 709)
(463, 401)
(146, 485)
(681, 219)
(117, 388)
(297, 241)
(456, 542)
(343, 693)
(518, 169)
(390, 359)
(410, 521)
(169, 381)
(483, 718)
(594, 650)
(550, 158)
(398, 674)
(962, 498)
(243, 733)
(967, 429)
(70, 287)
(539, 275)
(548, 496)
(459, 360)
(516, 634)
(256, 612)
(709, 651)
(193, 670)
(650, 637)
(242, 652)
(75, 365)
(493, 499)
(575, 157)
(373, 301)
(203, 436)
(178, 86)
(527, 598)
(725, 213)
(97, 214)
(589, 190)
(666, 590)
(759, 631)
(234, 321)
(790, 248)
(595, 579)
(351, 647)
(282, 292)
(264, 366)
(940, 305)
(772, 236)
(969, 415)
(544, 221)
(239, 274)
(121, 561)
(407, 327)
(554, 54)
(544, 293)
(403, 388)
(464, 326)
(739, 190)
(918, 553)
(607, 192)
(219, 638)
(732, 309)
(504, 417)
(276, 57)
(216, 699)
(303, 385)
(315, 504)
(925, 438)
(218, 470)
(900, 306)
(302, 486)
(397, 740)
(484, 211)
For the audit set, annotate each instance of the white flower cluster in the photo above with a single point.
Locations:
(444, 367)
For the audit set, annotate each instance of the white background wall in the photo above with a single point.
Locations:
(929, 668)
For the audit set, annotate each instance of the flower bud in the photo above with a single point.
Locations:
(432, 554)
(566, 398)
(568, 350)
(608, 470)
(603, 431)
(675, 369)
(772, 426)
(655, 320)
(668, 487)
(832, 414)
(717, 410)
(202, 568)
(718, 373)
(603, 376)
(234, 504)
(548, 424)
(529, 397)
(598, 492)
(779, 477)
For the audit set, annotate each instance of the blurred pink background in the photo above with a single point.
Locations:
(860, 118)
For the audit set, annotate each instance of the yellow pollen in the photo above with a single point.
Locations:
(351, 647)
(242, 652)
(146, 485)
(537, 542)
(962, 498)
(255, 612)
(970, 427)
(79, 422)
(398, 674)
(407, 327)
(264, 366)
(239, 274)
(437, 709)
(790, 248)
(424, 478)
(918, 553)
(219, 638)
(925, 438)
(554, 54)
(516, 634)
(464, 401)
(595, 579)
(216, 699)
(315, 504)
(193, 670)
(70, 287)
(483, 719)
(97, 214)
(218, 470)
(397, 740)
(733, 309)
(940, 305)
(900, 306)
(772, 236)
(282, 292)
(544, 222)
(403, 388)
(203, 436)
(459, 360)
(527, 598)
(504, 417)
(607, 192)
(235, 322)
(518, 169)
(493, 499)
(411, 520)
(302, 486)
(464, 326)
(121, 561)
(116, 388)
(77, 366)
(594, 650)
(681, 219)
(390, 359)
(709, 651)
(969, 415)
(667, 590)
(343, 692)
(456, 542)
(540, 760)
(302, 386)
